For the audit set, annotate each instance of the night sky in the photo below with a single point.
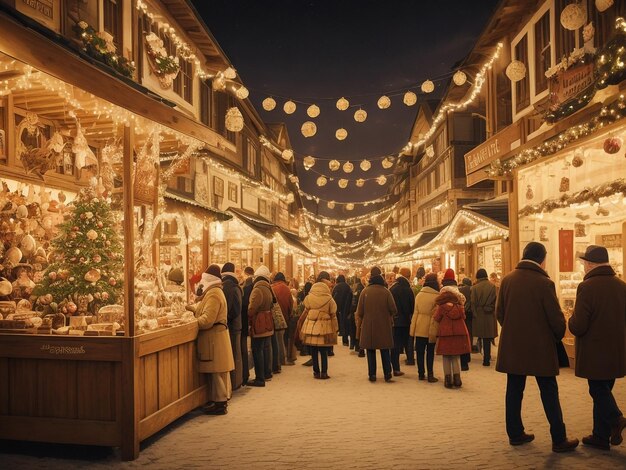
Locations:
(317, 51)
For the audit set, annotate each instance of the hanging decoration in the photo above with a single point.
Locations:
(529, 192)
(360, 115)
(290, 198)
(294, 179)
(321, 181)
(348, 167)
(334, 165)
(430, 151)
(100, 46)
(384, 102)
(349, 206)
(165, 67)
(330, 204)
(577, 161)
(387, 163)
(573, 16)
(360, 182)
(564, 186)
(365, 165)
(612, 145)
(410, 98)
(382, 179)
(308, 162)
(516, 71)
(343, 183)
(428, 86)
(269, 104)
(289, 107)
(242, 93)
(84, 155)
(234, 119)
(603, 5)
(287, 154)
(342, 104)
(313, 111)
(341, 134)
(459, 78)
(230, 73)
(308, 129)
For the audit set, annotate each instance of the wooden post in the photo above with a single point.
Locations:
(9, 124)
(130, 399)
(129, 230)
(513, 188)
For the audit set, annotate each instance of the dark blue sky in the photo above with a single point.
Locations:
(310, 50)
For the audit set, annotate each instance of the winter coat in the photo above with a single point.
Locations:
(260, 307)
(599, 324)
(374, 317)
(234, 295)
(342, 294)
(282, 292)
(453, 336)
(214, 349)
(483, 302)
(532, 322)
(245, 300)
(320, 326)
(358, 288)
(422, 324)
(466, 291)
(405, 302)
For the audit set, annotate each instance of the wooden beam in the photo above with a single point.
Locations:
(129, 228)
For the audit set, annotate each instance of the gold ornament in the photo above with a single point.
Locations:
(289, 107)
(290, 198)
(428, 86)
(342, 104)
(360, 115)
(234, 119)
(93, 275)
(602, 5)
(384, 102)
(529, 192)
(334, 165)
(360, 182)
(387, 163)
(348, 167)
(287, 154)
(459, 78)
(382, 179)
(269, 104)
(313, 111)
(230, 73)
(341, 134)
(308, 129)
(430, 151)
(365, 165)
(573, 16)
(410, 98)
(516, 71)
(343, 183)
(92, 234)
(330, 204)
(308, 162)
(242, 93)
(321, 181)
(349, 206)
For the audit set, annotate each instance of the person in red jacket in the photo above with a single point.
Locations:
(283, 297)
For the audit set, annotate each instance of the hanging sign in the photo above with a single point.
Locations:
(611, 240)
(569, 83)
(489, 151)
(43, 11)
(566, 251)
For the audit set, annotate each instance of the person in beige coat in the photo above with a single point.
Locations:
(214, 348)
(261, 326)
(424, 328)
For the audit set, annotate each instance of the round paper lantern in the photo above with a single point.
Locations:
(234, 119)
(308, 162)
(321, 181)
(360, 182)
(334, 165)
(459, 78)
(289, 107)
(290, 198)
(430, 151)
(384, 102)
(516, 71)
(365, 165)
(602, 5)
(342, 104)
(230, 73)
(382, 179)
(360, 115)
(269, 104)
(313, 111)
(330, 204)
(612, 145)
(349, 206)
(343, 183)
(242, 93)
(410, 98)
(308, 129)
(348, 167)
(387, 163)
(287, 154)
(428, 86)
(573, 16)
(341, 134)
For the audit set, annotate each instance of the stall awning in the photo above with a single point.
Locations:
(496, 209)
(210, 211)
(294, 240)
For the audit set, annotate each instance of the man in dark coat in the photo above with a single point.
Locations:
(358, 288)
(484, 326)
(405, 303)
(532, 322)
(233, 294)
(245, 300)
(599, 324)
(342, 295)
(465, 289)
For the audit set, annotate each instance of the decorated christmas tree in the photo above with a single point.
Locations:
(86, 260)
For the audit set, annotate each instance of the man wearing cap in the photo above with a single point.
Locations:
(599, 324)
(532, 322)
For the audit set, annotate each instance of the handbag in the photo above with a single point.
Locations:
(562, 354)
(262, 324)
(278, 317)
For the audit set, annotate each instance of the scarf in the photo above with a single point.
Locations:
(208, 280)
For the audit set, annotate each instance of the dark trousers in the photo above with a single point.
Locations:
(605, 409)
(323, 353)
(275, 353)
(385, 358)
(262, 355)
(424, 348)
(245, 367)
(400, 339)
(466, 359)
(351, 323)
(486, 342)
(410, 351)
(235, 343)
(549, 391)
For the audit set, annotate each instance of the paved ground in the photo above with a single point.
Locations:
(297, 422)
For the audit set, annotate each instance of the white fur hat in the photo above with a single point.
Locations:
(262, 271)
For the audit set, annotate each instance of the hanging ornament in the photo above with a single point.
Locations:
(269, 104)
(91, 235)
(313, 111)
(330, 204)
(410, 98)
(612, 145)
(289, 107)
(349, 206)
(308, 162)
(242, 93)
(230, 73)
(341, 134)
(287, 154)
(334, 165)
(93, 275)
(564, 186)
(342, 104)
(290, 198)
(321, 181)
(430, 151)
(348, 167)
(343, 183)
(459, 78)
(360, 182)
(294, 179)
(384, 102)
(387, 163)
(234, 119)
(56, 143)
(308, 129)
(428, 86)
(84, 155)
(603, 5)
(360, 115)
(573, 16)
(382, 179)
(365, 165)
(529, 193)
(516, 71)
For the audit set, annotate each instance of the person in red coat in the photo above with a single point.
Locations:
(453, 338)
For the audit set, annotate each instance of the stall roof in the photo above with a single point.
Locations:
(218, 214)
(294, 240)
(496, 209)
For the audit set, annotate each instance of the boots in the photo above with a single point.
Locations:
(217, 408)
(448, 381)
(432, 379)
(456, 380)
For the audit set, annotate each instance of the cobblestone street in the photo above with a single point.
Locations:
(347, 422)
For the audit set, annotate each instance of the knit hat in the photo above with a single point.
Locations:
(228, 268)
(214, 270)
(481, 274)
(534, 251)
(323, 275)
(467, 281)
(341, 278)
(405, 272)
(375, 271)
(431, 281)
(248, 270)
(279, 277)
(449, 275)
(262, 271)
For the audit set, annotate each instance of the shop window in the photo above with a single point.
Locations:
(522, 87)
(184, 185)
(112, 16)
(543, 50)
(205, 102)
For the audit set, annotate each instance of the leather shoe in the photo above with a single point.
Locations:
(616, 431)
(421, 377)
(595, 441)
(372, 378)
(316, 375)
(523, 439)
(256, 383)
(567, 445)
(398, 373)
(324, 376)
(388, 378)
(432, 379)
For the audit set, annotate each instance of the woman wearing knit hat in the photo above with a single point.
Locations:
(261, 326)
(483, 301)
(423, 327)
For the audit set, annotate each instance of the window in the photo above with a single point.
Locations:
(565, 39)
(604, 22)
(79, 10)
(251, 156)
(542, 52)
(112, 16)
(522, 87)
(205, 102)
(186, 74)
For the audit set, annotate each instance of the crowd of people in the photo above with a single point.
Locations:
(420, 316)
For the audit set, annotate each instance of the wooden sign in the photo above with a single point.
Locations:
(569, 83)
(566, 251)
(610, 240)
(46, 12)
(492, 149)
